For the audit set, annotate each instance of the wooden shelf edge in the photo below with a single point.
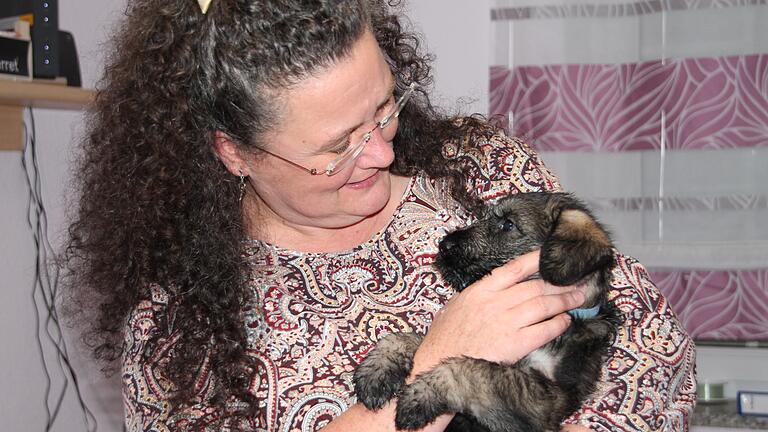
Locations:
(41, 95)
(17, 95)
(11, 128)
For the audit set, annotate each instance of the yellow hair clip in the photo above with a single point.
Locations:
(204, 5)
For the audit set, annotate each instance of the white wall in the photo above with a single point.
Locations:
(458, 33)
(738, 368)
(21, 374)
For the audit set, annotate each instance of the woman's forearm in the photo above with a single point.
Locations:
(574, 428)
(359, 418)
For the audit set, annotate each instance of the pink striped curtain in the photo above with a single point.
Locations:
(656, 112)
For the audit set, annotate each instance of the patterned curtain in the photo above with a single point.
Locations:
(656, 113)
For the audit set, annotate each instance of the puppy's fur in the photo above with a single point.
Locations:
(539, 391)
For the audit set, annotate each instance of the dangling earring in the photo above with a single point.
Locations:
(242, 187)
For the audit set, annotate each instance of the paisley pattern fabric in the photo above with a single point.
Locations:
(649, 381)
(314, 317)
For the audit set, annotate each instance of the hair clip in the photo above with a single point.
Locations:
(204, 5)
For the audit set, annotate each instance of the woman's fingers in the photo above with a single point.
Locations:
(528, 290)
(510, 287)
(521, 314)
(536, 335)
(543, 307)
(511, 273)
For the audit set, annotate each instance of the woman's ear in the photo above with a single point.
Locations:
(229, 153)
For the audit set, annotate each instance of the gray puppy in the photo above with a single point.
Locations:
(539, 391)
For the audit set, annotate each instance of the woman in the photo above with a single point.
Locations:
(263, 189)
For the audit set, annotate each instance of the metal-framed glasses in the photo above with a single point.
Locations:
(351, 153)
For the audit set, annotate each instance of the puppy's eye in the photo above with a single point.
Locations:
(507, 225)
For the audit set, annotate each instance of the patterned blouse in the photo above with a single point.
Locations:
(314, 316)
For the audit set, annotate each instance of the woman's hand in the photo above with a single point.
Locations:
(499, 318)
(575, 428)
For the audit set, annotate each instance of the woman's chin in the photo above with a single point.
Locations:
(371, 195)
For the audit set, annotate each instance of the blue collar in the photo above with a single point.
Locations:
(585, 313)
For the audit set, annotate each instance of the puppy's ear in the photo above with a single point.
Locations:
(577, 244)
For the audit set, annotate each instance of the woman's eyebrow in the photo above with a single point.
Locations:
(331, 143)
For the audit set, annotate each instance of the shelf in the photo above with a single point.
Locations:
(42, 95)
(17, 95)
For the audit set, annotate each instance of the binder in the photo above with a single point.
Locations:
(752, 403)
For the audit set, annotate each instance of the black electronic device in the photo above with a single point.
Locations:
(45, 38)
(9, 8)
(69, 66)
(45, 32)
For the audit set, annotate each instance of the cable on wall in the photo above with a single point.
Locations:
(48, 330)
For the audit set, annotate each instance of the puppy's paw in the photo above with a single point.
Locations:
(418, 405)
(382, 374)
(374, 387)
(602, 331)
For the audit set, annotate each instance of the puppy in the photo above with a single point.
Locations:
(539, 391)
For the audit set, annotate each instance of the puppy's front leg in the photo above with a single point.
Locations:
(383, 372)
(500, 397)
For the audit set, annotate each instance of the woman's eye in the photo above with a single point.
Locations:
(342, 147)
(389, 106)
(507, 225)
(386, 109)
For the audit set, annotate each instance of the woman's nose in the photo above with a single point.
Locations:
(377, 153)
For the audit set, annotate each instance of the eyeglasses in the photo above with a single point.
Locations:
(352, 152)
